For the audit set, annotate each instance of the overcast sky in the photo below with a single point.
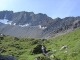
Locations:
(53, 8)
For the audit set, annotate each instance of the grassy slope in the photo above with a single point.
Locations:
(72, 40)
(21, 48)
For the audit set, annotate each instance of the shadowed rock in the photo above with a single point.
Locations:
(2, 57)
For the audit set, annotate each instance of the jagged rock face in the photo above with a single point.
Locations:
(37, 25)
(7, 13)
(76, 24)
(26, 17)
(63, 24)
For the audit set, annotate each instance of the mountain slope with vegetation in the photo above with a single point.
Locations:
(21, 48)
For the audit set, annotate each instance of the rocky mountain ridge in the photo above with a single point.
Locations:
(28, 24)
(26, 17)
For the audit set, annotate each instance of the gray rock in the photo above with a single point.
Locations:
(2, 57)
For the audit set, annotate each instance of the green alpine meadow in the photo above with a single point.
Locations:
(23, 48)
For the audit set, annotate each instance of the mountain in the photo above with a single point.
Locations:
(28, 24)
(24, 24)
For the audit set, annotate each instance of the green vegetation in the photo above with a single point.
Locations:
(21, 48)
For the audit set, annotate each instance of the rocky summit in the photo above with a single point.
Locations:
(29, 24)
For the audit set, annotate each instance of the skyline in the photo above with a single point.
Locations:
(53, 8)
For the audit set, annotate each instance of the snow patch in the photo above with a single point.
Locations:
(41, 27)
(3, 21)
(14, 23)
(5, 16)
(9, 22)
(24, 25)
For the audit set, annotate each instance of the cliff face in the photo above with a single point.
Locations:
(28, 24)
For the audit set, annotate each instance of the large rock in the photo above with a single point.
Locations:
(2, 57)
(37, 49)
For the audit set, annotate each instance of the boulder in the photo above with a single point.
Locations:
(37, 49)
(2, 57)
(1, 38)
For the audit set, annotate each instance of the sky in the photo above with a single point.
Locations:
(53, 8)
